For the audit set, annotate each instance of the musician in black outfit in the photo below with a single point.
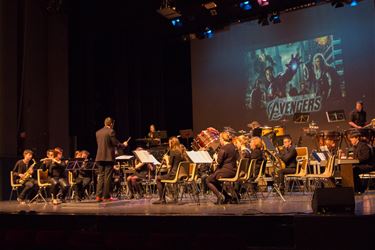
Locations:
(288, 155)
(19, 170)
(364, 153)
(226, 168)
(358, 116)
(57, 176)
(84, 175)
(142, 171)
(175, 157)
(105, 156)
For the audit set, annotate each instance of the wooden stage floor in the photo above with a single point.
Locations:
(295, 204)
(266, 223)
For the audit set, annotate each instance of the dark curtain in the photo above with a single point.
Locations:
(125, 62)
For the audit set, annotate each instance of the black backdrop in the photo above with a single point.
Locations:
(126, 63)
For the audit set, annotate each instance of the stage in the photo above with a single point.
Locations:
(265, 223)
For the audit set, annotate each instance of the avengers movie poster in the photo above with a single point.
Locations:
(303, 76)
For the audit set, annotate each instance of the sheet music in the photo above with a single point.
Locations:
(200, 156)
(145, 157)
(124, 157)
(322, 156)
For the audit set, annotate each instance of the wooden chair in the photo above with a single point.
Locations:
(242, 167)
(324, 177)
(369, 177)
(181, 173)
(245, 179)
(15, 186)
(42, 186)
(72, 185)
(301, 170)
(190, 183)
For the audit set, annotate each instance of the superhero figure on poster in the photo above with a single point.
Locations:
(276, 85)
(326, 78)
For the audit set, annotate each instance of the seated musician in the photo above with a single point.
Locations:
(226, 168)
(358, 116)
(256, 152)
(153, 135)
(288, 155)
(175, 157)
(19, 172)
(57, 176)
(142, 171)
(241, 143)
(255, 129)
(331, 146)
(364, 153)
(84, 174)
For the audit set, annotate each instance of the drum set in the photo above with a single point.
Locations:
(208, 139)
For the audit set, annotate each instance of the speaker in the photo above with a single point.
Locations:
(333, 200)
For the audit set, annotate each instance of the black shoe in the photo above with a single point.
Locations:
(159, 202)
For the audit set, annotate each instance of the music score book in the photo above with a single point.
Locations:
(145, 157)
(200, 157)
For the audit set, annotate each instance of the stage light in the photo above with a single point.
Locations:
(211, 7)
(208, 33)
(353, 3)
(245, 5)
(177, 22)
(275, 18)
(263, 3)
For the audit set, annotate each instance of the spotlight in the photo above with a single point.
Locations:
(245, 5)
(208, 33)
(211, 7)
(177, 22)
(353, 3)
(275, 18)
(263, 3)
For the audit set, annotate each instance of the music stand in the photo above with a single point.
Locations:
(301, 118)
(186, 134)
(162, 134)
(336, 116)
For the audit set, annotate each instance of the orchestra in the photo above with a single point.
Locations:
(101, 178)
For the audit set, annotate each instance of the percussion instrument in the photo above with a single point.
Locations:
(206, 139)
(329, 138)
(266, 131)
(279, 131)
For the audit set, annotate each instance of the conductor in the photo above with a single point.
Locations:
(105, 156)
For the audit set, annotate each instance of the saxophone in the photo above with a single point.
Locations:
(28, 173)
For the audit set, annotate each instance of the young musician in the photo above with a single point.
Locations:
(256, 152)
(288, 155)
(84, 175)
(19, 172)
(175, 157)
(57, 176)
(105, 156)
(241, 143)
(358, 116)
(142, 171)
(255, 129)
(226, 167)
(364, 153)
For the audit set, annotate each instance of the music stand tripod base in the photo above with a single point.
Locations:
(277, 189)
